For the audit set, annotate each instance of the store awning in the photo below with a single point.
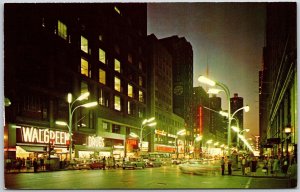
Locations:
(33, 148)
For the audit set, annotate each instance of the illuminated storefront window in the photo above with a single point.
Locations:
(84, 44)
(62, 30)
(102, 76)
(84, 67)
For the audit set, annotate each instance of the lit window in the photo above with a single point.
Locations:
(102, 76)
(84, 67)
(140, 81)
(130, 91)
(128, 107)
(62, 30)
(129, 58)
(141, 96)
(117, 103)
(117, 65)
(117, 10)
(117, 84)
(140, 66)
(102, 56)
(84, 44)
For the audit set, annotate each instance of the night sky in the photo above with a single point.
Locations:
(226, 37)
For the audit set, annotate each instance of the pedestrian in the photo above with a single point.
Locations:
(114, 162)
(285, 165)
(276, 166)
(222, 165)
(229, 164)
(35, 165)
(42, 163)
(271, 162)
(104, 163)
(253, 166)
(292, 173)
(243, 165)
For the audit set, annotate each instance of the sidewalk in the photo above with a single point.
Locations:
(258, 173)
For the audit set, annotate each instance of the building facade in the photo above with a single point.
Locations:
(159, 101)
(182, 56)
(278, 82)
(55, 49)
(237, 103)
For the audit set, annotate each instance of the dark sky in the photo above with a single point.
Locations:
(226, 37)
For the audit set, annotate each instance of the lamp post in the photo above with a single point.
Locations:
(207, 81)
(245, 108)
(179, 133)
(71, 112)
(239, 132)
(146, 122)
(287, 131)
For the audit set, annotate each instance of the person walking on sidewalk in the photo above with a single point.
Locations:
(243, 165)
(229, 163)
(222, 165)
(276, 166)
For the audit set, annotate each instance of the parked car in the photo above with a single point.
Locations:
(96, 165)
(176, 161)
(154, 163)
(119, 163)
(134, 163)
(198, 167)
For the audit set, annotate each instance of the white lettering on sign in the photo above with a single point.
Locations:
(95, 141)
(34, 135)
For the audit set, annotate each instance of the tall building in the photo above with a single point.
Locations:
(55, 49)
(182, 56)
(278, 82)
(236, 103)
(159, 101)
(218, 124)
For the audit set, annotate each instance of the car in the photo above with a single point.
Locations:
(96, 165)
(119, 163)
(154, 163)
(199, 167)
(134, 163)
(176, 161)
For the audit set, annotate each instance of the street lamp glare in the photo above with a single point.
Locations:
(207, 81)
(61, 123)
(214, 91)
(83, 96)
(69, 97)
(152, 124)
(224, 114)
(91, 104)
(132, 134)
(236, 129)
(181, 132)
(247, 108)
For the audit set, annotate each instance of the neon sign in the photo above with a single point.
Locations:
(95, 141)
(35, 135)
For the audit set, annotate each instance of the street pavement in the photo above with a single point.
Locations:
(238, 172)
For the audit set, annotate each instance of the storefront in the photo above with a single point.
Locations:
(35, 142)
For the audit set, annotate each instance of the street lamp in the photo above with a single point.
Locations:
(287, 131)
(71, 112)
(179, 133)
(212, 83)
(239, 132)
(147, 122)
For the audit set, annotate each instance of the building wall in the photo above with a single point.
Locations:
(279, 80)
(46, 58)
(160, 98)
(182, 54)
